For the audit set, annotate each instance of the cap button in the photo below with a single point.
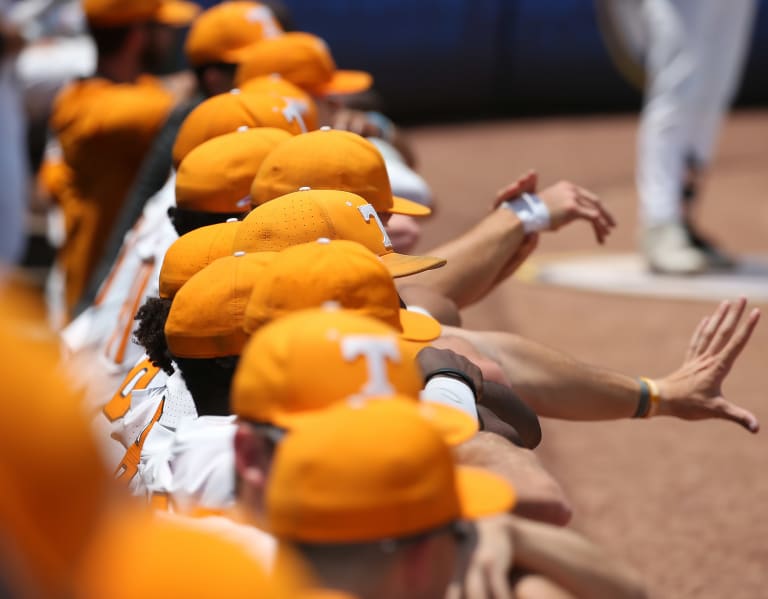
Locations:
(326, 128)
(239, 254)
(305, 188)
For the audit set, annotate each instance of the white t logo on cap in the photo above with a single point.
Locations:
(263, 15)
(368, 212)
(376, 351)
(293, 112)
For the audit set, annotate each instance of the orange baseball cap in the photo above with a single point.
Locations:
(313, 359)
(276, 85)
(192, 252)
(373, 472)
(309, 275)
(331, 159)
(139, 556)
(54, 484)
(114, 13)
(225, 32)
(305, 60)
(216, 176)
(310, 214)
(206, 316)
(226, 113)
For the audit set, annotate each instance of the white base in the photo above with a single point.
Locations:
(628, 274)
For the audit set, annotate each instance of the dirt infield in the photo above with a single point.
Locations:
(683, 502)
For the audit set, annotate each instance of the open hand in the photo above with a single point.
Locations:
(694, 391)
(490, 561)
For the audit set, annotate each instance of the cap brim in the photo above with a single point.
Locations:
(411, 349)
(418, 326)
(400, 265)
(344, 82)
(482, 493)
(453, 425)
(238, 55)
(409, 207)
(177, 13)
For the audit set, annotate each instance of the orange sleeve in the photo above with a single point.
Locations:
(54, 175)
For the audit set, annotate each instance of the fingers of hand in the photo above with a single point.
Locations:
(739, 340)
(530, 181)
(497, 580)
(694, 347)
(595, 200)
(593, 216)
(474, 583)
(512, 190)
(524, 184)
(486, 580)
(593, 203)
(727, 326)
(713, 322)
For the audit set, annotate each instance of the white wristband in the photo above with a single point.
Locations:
(531, 211)
(452, 392)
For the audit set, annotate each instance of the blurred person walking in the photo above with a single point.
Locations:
(694, 57)
(106, 123)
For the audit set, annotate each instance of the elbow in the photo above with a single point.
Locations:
(547, 503)
(556, 512)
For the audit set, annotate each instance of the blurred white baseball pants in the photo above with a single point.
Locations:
(695, 55)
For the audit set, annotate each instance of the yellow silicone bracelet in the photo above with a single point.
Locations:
(653, 388)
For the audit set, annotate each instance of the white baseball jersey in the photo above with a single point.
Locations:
(104, 331)
(147, 430)
(202, 464)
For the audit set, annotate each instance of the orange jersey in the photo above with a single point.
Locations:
(104, 129)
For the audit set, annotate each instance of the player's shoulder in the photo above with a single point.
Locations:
(91, 104)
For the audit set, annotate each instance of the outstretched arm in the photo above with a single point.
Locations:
(495, 247)
(559, 386)
(572, 562)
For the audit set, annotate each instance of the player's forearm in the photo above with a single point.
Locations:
(572, 562)
(475, 259)
(539, 496)
(554, 384)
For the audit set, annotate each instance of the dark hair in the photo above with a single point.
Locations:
(184, 220)
(208, 381)
(150, 333)
(109, 40)
(229, 69)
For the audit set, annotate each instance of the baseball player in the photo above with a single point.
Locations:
(216, 35)
(106, 123)
(134, 403)
(371, 497)
(204, 337)
(694, 58)
(209, 192)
